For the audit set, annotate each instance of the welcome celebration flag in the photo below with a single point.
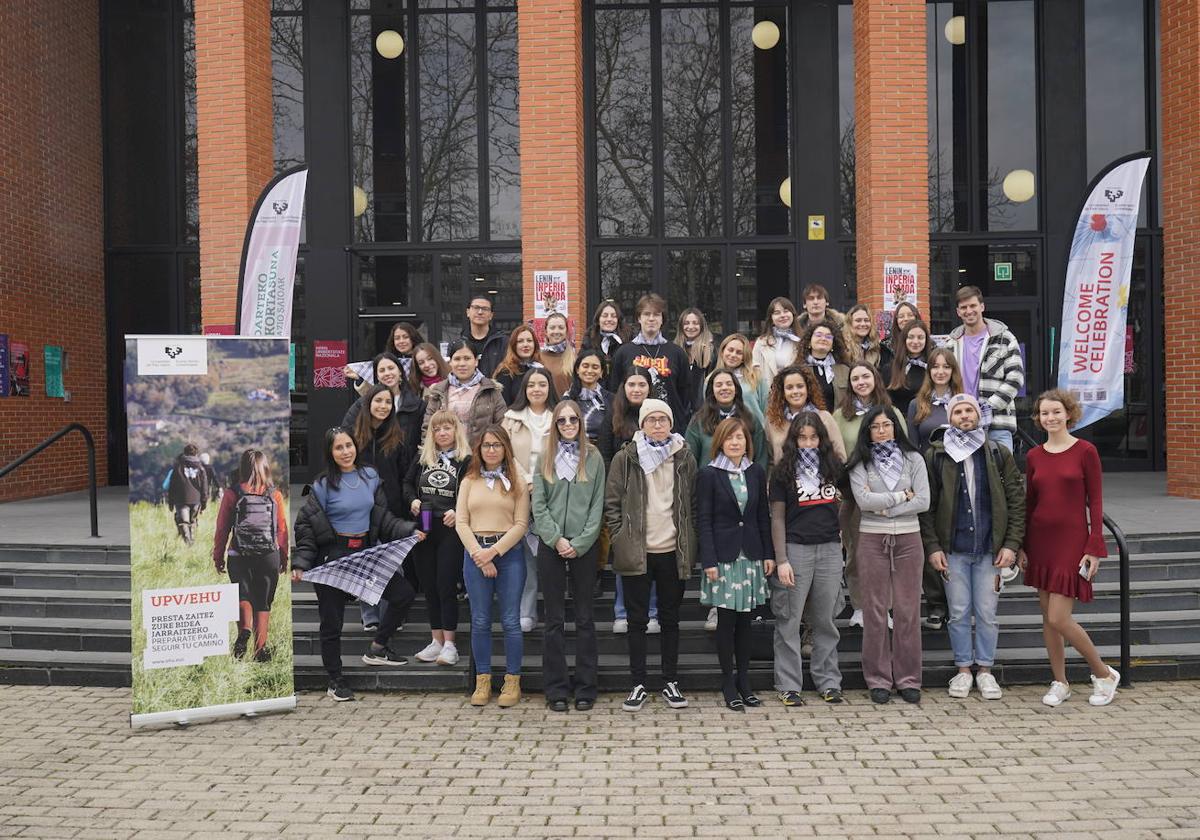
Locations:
(1091, 359)
(268, 271)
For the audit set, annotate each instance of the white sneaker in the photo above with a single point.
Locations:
(526, 625)
(653, 628)
(1057, 695)
(960, 686)
(449, 654)
(1105, 688)
(987, 685)
(430, 652)
(856, 619)
(620, 625)
(890, 621)
(710, 623)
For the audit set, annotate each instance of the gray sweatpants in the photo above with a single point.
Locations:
(818, 571)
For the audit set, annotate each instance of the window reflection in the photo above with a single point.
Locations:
(846, 179)
(760, 275)
(694, 279)
(949, 139)
(625, 276)
(287, 88)
(1011, 111)
(504, 132)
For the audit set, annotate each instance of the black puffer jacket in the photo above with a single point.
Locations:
(315, 536)
(410, 411)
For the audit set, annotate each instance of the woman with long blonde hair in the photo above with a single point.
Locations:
(927, 411)
(862, 338)
(734, 354)
(693, 335)
(558, 352)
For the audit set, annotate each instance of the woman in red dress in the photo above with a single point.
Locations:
(1064, 540)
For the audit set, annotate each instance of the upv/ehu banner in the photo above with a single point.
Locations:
(1091, 360)
(268, 272)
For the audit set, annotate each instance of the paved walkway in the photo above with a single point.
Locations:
(431, 766)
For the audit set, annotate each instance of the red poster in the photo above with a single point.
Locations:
(19, 364)
(329, 364)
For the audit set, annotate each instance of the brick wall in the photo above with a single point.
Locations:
(1181, 240)
(550, 43)
(52, 233)
(892, 157)
(236, 143)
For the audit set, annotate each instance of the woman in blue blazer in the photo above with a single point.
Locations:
(734, 537)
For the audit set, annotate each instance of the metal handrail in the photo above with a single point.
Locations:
(1123, 550)
(91, 450)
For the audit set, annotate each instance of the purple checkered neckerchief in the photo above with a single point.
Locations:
(889, 461)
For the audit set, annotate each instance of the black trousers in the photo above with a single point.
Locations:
(934, 590)
(438, 559)
(660, 571)
(553, 574)
(331, 607)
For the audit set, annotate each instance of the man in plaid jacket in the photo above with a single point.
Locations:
(990, 357)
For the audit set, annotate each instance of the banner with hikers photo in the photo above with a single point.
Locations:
(208, 526)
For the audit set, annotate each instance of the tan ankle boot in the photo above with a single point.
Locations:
(510, 694)
(483, 690)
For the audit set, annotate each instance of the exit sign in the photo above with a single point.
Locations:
(1002, 271)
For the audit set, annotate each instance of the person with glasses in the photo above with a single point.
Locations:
(474, 398)
(568, 509)
(491, 517)
(891, 487)
(648, 510)
(485, 342)
(823, 350)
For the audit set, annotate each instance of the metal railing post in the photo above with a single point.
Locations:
(91, 455)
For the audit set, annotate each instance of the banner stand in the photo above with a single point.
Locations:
(184, 717)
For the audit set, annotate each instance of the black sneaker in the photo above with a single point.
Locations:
(910, 695)
(791, 698)
(880, 695)
(239, 646)
(339, 691)
(832, 695)
(384, 655)
(674, 696)
(263, 654)
(371, 628)
(635, 700)
(934, 621)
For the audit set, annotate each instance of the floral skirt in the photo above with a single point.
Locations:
(740, 586)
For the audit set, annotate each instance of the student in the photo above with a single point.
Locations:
(822, 349)
(972, 530)
(776, 348)
(382, 444)
(431, 492)
(347, 512)
(648, 510)
(587, 389)
(523, 354)
(733, 530)
(694, 336)
(862, 339)
(817, 309)
(558, 353)
(666, 363)
(491, 517)
(866, 392)
(891, 486)
(429, 368)
(903, 315)
(1064, 540)
(568, 508)
(723, 399)
(794, 390)
(808, 574)
(410, 408)
(252, 541)
(485, 342)
(187, 491)
(475, 399)
(528, 426)
(909, 369)
(734, 354)
(606, 334)
(927, 411)
(990, 359)
(403, 343)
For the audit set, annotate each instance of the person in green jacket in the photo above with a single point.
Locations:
(723, 397)
(568, 509)
(971, 533)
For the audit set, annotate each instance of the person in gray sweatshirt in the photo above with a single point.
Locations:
(891, 486)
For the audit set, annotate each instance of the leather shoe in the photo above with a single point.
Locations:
(880, 695)
(557, 705)
(584, 704)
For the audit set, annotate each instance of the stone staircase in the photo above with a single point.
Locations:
(64, 620)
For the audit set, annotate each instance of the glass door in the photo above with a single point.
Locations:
(390, 288)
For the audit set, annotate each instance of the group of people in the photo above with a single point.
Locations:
(816, 453)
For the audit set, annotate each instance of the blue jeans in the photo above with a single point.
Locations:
(372, 613)
(971, 593)
(1001, 436)
(619, 602)
(506, 586)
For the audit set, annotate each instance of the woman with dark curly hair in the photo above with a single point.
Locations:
(823, 349)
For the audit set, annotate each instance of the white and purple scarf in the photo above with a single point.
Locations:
(724, 462)
(808, 470)
(889, 461)
(457, 384)
(566, 460)
(825, 365)
(652, 454)
(640, 338)
(492, 476)
(962, 445)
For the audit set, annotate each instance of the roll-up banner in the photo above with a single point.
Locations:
(208, 527)
(269, 257)
(1091, 359)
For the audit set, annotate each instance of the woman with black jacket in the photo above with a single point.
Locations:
(381, 444)
(346, 511)
(733, 530)
(430, 494)
(621, 419)
(410, 408)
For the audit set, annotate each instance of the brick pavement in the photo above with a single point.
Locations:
(431, 766)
